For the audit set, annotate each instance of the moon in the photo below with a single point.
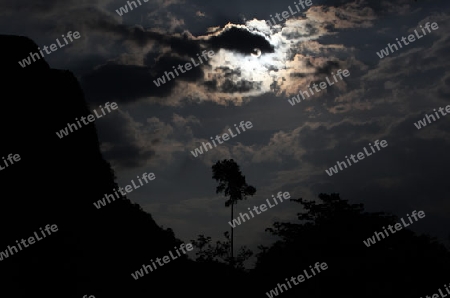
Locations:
(257, 54)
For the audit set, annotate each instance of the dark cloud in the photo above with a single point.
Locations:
(237, 87)
(122, 83)
(166, 63)
(121, 142)
(128, 83)
(181, 45)
(211, 85)
(241, 41)
(127, 156)
(328, 67)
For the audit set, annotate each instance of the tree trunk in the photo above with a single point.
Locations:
(232, 255)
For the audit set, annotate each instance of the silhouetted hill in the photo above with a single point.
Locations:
(16, 48)
(56, 181)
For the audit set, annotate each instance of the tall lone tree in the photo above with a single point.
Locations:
(232, 184)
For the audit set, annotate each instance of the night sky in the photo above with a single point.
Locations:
(289, 147)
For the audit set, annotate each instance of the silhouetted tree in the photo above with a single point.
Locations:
(220, 252)
(331, 230)
(232, 184)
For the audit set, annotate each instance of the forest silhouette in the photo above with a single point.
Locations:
(95, 251)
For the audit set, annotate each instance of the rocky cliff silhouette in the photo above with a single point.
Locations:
(56, 181)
